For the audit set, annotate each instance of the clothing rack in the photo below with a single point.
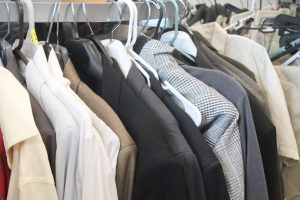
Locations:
(97, 12)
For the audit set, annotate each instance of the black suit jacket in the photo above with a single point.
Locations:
(159, 175)
(213, 176)
(176, 141)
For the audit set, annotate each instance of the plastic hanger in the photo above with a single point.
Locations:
(292, 59)
(116, 49)
(183, 42)
(17, 50)
(31, 34)
(240, 23)
(8, 28)
(8, 21)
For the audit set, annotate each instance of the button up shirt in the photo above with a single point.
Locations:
(31, 176)
(95, 178)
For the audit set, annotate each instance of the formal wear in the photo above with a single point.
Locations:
(289, 77)
(257, 60)
(66, 129)
(27, 157)
(69, 97)
(222, 64)
(219, 116)
(158, 174)
(186, 158)
(211, 168)
(266, 132)
(127, 155)
(233, 91)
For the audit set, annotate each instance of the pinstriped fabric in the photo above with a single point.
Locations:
(219, 116)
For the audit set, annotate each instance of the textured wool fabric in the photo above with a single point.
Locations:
(213, 176)
(219, 116)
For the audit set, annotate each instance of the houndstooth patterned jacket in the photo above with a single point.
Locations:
(219, 116)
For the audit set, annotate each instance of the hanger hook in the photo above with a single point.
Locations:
(73, 13)
(120, 17)
(8, 20)
(57, 23)
(148, 17)
(87, 18)
(149, 12)
(52, 21)
(182, 14)
(164, 14)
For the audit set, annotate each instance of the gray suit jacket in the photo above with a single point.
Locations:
(176, 141)
(233, 91)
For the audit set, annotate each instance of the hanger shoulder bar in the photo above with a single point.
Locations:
(97, 12)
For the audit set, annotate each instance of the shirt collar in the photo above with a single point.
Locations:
(214, 33)
(16, 117)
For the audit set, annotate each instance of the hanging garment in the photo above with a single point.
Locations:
(109, 139)
(155, 162)
(27, 157)
(219, 116)
(289, 77)
(128, 150)
(41, 120)
(211, 168)
(232, 91)
(67, 132)
(265, 130)
(257, 60)
(187, 159)
(224, 65)
(4, 170)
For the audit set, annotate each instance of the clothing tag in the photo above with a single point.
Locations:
(33, 37)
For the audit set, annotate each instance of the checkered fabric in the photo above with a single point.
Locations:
(219, 116)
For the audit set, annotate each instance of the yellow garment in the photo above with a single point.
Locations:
(31, 176)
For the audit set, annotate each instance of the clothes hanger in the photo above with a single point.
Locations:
(17, 50)
(182, 42)
(8, 31)
(116, 49)
(294, 46)
(241, 23)
(82, 51)
(292, 59)
(31, 34)
(286, 23)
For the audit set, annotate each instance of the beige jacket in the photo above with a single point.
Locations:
(127, 155)
(289, 77)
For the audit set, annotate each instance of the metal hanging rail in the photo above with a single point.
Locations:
(97, 12)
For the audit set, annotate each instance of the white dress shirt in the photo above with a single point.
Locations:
(67, 132)
(109, 138)
(255, 58)
(31, 177)
(95, 175)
